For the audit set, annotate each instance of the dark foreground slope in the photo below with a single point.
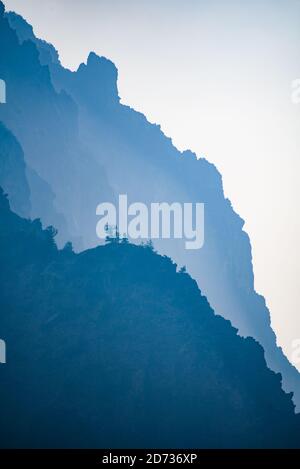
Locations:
(113, 348)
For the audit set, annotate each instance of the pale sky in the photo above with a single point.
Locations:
(217, 76)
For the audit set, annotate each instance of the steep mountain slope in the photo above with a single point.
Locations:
(137, 159)
(29, 195)
(45, 124)
(13, 173)
(113, 348)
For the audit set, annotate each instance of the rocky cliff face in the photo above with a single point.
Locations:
(13, 177)
(46, 125)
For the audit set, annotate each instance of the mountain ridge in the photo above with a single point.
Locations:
(113, 347)
(135, 157)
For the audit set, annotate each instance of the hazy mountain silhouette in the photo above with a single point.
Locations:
(113, 348)
(124, 153)
(46, 125)
(29, 195)
(13, 173)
